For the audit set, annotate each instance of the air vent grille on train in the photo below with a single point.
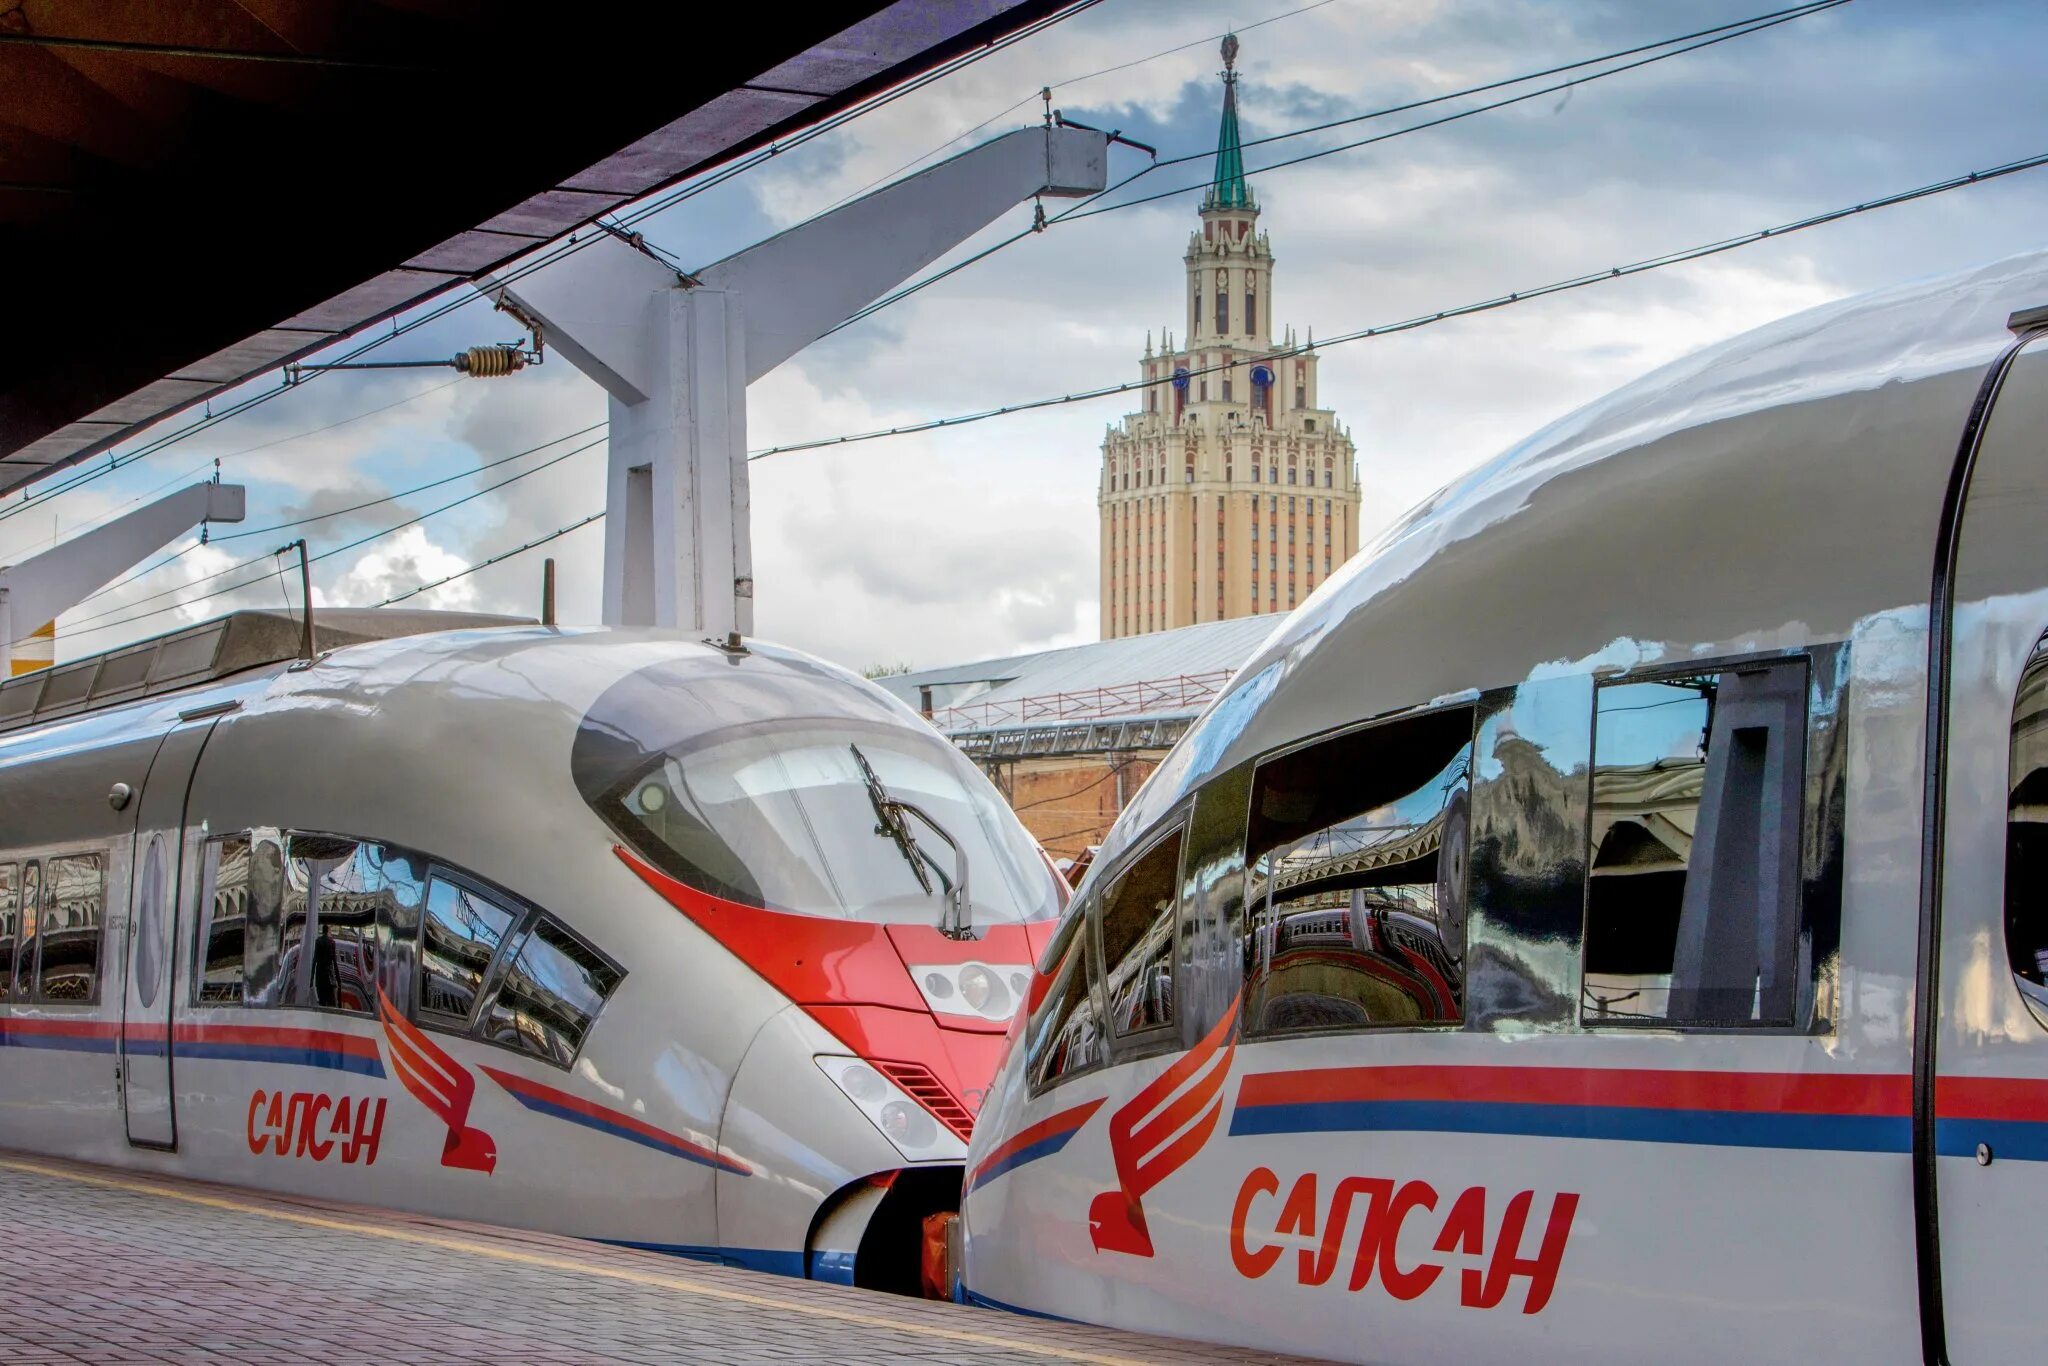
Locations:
(927, 1090)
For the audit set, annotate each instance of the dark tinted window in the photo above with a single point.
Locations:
(1137, 938)
(551, 989)
(74, 906)
(268, 975)
(1061, 1036)
(1692, 901)
(341, 920)
(30, 914)
(10, 925)
(401, 887)
(334, 885)
(223, 916)
(2026, 840)
(1355, 879)
(459, 937)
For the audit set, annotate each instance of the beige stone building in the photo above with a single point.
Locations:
(1232, 491)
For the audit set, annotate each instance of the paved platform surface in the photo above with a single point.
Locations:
(107, 1266)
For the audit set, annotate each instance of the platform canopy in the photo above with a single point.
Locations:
(191, 194)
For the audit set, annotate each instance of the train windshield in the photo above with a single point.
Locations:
(777, 812)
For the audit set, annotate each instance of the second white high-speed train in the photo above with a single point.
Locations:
(1608, 922)
(610, 933)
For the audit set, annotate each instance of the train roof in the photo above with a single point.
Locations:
(207, 652)
(1773, 491)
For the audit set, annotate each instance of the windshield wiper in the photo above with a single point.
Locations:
(889, 823)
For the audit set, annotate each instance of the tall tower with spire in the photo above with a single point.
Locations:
(1231, 492)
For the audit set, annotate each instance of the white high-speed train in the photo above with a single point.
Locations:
(609, 933)
(1608, 922)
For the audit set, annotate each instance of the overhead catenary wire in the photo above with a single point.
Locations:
(499, 558)
(576, 241)
(397, 494)
(84, 626)
(1443, 315)
(212, 420)
(1091, 206)
(391, 497)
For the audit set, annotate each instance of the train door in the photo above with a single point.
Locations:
(159, 884)
(1981, 1058)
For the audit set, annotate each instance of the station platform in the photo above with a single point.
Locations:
(109, 1266)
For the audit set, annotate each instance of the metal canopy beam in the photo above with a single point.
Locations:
(34, 591)
(676, 354)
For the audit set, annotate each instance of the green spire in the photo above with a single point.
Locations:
(1228, 190)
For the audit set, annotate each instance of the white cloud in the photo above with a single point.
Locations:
(404, 561)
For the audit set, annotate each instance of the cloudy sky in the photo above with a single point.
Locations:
(980, 540)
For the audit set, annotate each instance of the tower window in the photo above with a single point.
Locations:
(1301, 397)
(1226, 391)
(1222, 308)
(1308, 424)
(1251, 310)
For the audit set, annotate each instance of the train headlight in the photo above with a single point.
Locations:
(909, 1127)
(864, 1084)
(979, 988)
(983, 990)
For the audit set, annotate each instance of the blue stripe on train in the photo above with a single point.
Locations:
(750, 1258)
(73, 1043)
(544, 1106)
(1045, 1147)
(331, 1059)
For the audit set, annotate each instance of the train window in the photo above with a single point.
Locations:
(267, 977)
(552, 988)
(30, 915)
(1355, 890)
(459, 937)
(10, 926)
(1061, 1038)
(331, 923)
(1137, 938)
(1693, 876)
(401, 889)
(2026, 839)
(74, 905)
(223, 914)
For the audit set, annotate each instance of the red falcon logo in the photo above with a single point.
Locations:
(1157, 1132)
(441, 1084)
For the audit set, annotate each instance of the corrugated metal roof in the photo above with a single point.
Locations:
(1203, 649)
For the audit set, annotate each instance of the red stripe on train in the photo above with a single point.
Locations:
(1642, 1088)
